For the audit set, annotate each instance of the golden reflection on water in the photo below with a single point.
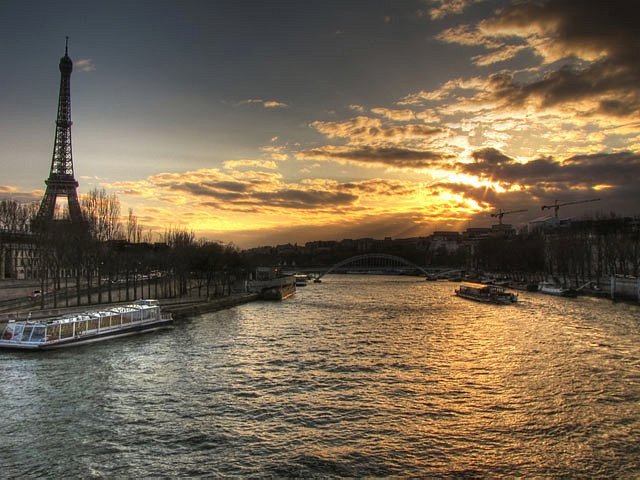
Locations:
(354, 377)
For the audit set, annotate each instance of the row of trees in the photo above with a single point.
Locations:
(16, 217)
(104, 260)
(107, 260)
(590, 250)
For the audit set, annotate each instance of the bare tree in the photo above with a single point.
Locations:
(134, 229)
(16, 217)
(102, 212)
(182, 245)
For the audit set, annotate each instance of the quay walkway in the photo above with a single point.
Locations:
(188, 307)
(180, 307)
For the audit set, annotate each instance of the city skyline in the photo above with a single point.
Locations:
(272, 122)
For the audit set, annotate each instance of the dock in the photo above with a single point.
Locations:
(181, 308)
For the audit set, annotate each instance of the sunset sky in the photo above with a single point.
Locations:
(264, 122)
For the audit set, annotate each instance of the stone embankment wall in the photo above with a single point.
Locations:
(180, 308)
(625, 288)
(183, 309)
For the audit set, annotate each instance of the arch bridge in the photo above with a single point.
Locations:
(375, 262)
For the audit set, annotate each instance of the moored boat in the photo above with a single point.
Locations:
(486, 293)
(87, 327)
(554, 289)
(271, 284)
(301, 280)
(279, 289)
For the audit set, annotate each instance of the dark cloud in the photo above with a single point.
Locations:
(533, 198)
(581, 170)
(618, 168)
(367, 130)
(231, 186)
(578, 26)
(529, 199)
(491, 156)
(399, 225)
(395, 156)
(305, 199)
(204, 190)
(400, 131)
(614, 178)
(10, 193)
(484, 196)
(246, 198)
(605, 33)
(379, 187)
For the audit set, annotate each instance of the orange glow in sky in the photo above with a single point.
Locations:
(330, 120)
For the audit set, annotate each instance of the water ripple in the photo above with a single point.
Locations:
(356, 377)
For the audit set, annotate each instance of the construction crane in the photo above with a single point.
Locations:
(556, 206)
(501, 214)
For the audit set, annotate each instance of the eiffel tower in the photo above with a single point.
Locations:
(61, 181)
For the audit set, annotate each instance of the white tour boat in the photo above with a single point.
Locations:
(88, 327)
(554, 289)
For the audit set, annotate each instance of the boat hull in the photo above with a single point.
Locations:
(277, 288)
(278, 293)
(496, 300)
(557, 291)
(80, 328)
(486, 293)
(107, 334)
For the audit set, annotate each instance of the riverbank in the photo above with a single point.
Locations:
(180, 308)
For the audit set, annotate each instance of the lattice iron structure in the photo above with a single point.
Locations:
(61, 181)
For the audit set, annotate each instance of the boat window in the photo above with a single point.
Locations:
(9, 331)
(38, 333)
(26, 333)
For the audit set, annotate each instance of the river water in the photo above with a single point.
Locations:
(358, 376)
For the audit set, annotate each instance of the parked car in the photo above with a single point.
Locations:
(35, 294)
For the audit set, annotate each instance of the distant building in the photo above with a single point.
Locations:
(419, 243)
(448, 240)
(476, 234)
(17, 256)
(286, 249)
(544, 223)
(503, 229)
(347, 244)
(364, 245)
(625, 287)
(321, 245)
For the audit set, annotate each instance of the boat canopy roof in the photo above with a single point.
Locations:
(481, 286)
(474, 285)
(136, 306)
